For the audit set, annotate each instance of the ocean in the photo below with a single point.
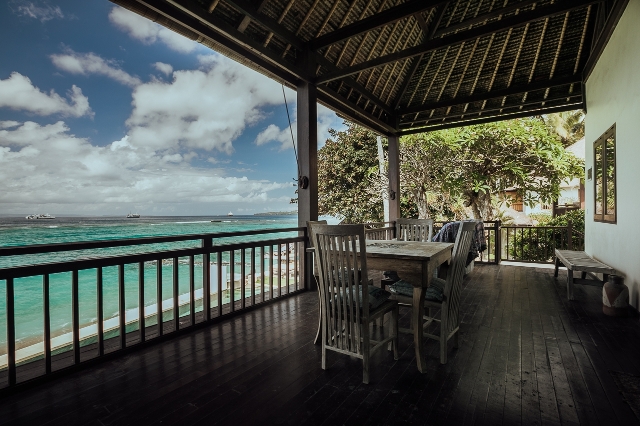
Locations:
(18, 231)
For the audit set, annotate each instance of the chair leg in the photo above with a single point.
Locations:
(366, 349)
(443, 342)
(557, 265)
(394, 327)
(317, 339)
(324, 355)
(456, 339)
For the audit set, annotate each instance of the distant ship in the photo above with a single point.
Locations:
(40, 216)
(229, 214)
(133, 216)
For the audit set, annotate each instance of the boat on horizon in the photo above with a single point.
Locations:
(40, 216)
(230, 214)
(133, 216)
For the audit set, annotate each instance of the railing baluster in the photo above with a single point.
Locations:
(121, 307)
(141, 319)
(262, 273)
(243, 277)
(232, 287)
(47, 323)
(279, 270)
(287, 281)
(271, 272)
(159, 297)
(100, 296)
(176, 295)
(295, 266)
(253, 276)
(192, 289)
(75, 316)
(11, 331)
(206, 280)
(219, 263)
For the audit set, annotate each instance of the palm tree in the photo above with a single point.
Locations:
(568, 125)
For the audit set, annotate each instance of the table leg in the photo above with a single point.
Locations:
(417, 314)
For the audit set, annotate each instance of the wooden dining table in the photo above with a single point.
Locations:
(415, 262)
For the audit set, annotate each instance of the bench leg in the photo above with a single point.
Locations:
(555, 274)
(569, 284)
(583, 275)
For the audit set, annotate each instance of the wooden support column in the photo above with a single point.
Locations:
(308, 157)
(394, 177)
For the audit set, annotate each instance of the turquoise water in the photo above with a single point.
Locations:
(28, 291)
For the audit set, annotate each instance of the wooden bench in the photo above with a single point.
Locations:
(581, 261)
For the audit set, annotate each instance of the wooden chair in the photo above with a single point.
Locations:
(410, 230)
(443, 294)
(316, 274)
(414, 229)
(348, 303)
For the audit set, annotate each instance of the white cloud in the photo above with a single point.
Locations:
(90, 63)
(18, 93)
(166, 69)
(200, 109)
(149, 32)
(326, 119)
(45, 164)
(42, 13)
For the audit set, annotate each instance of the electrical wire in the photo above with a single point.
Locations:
(291, 131)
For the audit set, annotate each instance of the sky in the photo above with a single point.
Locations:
(103, 112)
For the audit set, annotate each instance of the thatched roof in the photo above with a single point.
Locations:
(401, 66)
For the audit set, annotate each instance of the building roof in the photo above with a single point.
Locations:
(403, 66)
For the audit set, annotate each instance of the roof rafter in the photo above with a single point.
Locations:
(513, 90)
(435, 23)
(386, 17)
(494, 27)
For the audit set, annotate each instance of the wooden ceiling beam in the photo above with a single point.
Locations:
(195, 18)
(435, 44)
(462, 123)
(270, 24)
(571, 98)
(386, 17)
(478, 97)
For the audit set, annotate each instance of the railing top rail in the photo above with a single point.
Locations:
(86, 245)
(114, 260)
(534, 227)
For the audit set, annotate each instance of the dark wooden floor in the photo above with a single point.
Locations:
(526, 356)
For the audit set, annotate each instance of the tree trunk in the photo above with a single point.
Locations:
(480, 203)
(420, 198)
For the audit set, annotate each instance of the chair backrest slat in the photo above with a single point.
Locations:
(341, 257)
(455, 274)
(414, 229)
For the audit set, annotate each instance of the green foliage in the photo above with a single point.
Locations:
(346, 164)
(538, 244)
(542, 218)
(475, 163)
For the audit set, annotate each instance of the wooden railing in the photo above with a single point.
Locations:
(538, 243)
(223, 278)
(492, 237)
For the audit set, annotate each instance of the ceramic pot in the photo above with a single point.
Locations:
(615, 297)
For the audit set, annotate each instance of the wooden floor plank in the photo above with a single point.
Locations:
(527, 356)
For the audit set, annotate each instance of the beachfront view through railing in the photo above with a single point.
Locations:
(99, 299)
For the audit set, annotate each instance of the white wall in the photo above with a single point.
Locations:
(613, 96)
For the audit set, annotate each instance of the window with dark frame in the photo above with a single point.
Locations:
(604, 168)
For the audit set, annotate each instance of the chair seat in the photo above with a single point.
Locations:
(434, 293)
(377, 296)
